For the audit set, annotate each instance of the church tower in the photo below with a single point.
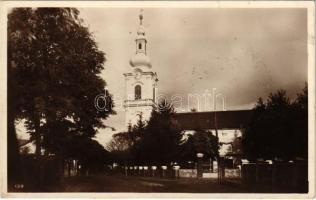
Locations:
(140, 82)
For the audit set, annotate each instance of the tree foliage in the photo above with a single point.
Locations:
(161, 142)
(57, 66)
(278, 128)
(200, 142)
(91, 155)
(156, 142)
(120, 147)
(54, 68)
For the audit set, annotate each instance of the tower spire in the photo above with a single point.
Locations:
(141, 58)
(141, 29)
(141, 17)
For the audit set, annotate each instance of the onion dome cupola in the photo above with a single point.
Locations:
(140, 59)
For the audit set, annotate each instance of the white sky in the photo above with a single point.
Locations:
(244, 53)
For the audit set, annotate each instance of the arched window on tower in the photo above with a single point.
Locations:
(138, 92)
(140, 46)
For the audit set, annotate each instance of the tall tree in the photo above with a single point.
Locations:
(120, 147)
(161, 141)
(300, 125)
(200, 142)
(137, 135)
(53, 70)
(278, 128)
(90, 154)
(125, 147)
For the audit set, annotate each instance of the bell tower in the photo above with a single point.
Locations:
(140, 81)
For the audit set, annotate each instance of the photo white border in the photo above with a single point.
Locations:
(309, 5)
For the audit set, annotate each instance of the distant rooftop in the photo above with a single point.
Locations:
(233, 119)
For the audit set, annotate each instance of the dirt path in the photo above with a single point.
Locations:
(103, 183)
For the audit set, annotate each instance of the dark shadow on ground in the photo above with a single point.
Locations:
(104, 183)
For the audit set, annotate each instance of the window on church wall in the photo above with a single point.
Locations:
(138, 92)
(140, 46)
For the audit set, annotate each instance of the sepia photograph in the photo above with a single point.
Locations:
(161, 98)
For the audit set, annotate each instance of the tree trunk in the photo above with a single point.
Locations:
(39, 162)
(69, 167)
(61, 168)
(37, 137)
(13, 164)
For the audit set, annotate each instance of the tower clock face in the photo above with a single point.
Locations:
(138, 75)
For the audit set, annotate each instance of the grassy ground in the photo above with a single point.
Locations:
(103, 183)
(138, 184)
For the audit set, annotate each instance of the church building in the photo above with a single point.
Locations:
(141, 98)
(140, 82)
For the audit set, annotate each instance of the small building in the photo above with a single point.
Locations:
(229, 125)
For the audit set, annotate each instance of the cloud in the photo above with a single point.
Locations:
(244, 53)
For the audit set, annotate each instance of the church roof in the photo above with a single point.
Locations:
(232, 119)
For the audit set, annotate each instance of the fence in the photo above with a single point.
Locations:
(291, 176)
(148, 171)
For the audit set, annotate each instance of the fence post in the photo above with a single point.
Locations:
(140, 170)
(135, 170)
(130, 170)
(176, 171)
(126, 168)
(199, 164)
(145, 170)
(154, 168)
(294, 175)
(164, 168)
